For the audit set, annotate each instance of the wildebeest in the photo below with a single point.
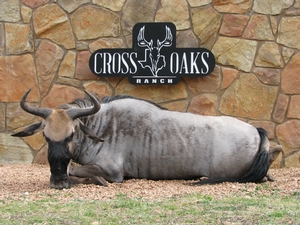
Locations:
(125, 137)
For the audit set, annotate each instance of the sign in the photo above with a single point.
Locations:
(154, 58)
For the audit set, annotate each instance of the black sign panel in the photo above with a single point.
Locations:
(154, 58)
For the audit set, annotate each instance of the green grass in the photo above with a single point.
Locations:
(185, 209)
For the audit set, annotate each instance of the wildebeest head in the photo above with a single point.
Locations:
(59, 126)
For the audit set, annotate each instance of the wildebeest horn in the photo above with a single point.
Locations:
(42, 112)
(76, 113)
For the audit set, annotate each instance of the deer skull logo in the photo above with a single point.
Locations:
(153, 59)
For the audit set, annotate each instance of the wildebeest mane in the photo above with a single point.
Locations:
(86, 102)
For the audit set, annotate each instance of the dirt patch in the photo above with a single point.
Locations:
(31, 182)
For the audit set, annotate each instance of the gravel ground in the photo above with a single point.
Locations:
(31, 182)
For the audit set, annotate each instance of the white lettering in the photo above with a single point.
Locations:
(124, 62)
(133, 62)
(153, 81)
(106, 62)
(174, 63)
(204, 62)
(193, 63)
(116, 57)
(95, 62)
(184, 65)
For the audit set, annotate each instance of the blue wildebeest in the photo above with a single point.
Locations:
(135, 138)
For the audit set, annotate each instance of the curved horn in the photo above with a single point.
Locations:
(42, 112)
(80, 112)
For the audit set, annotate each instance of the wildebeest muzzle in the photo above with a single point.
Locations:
(59, 158)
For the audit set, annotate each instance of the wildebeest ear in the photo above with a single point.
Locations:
(30, 130)
(88, 132)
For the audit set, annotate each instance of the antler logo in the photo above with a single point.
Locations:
(153, 59)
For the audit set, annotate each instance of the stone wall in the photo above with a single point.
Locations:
(45, 45)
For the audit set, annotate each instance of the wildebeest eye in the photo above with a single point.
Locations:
(70, 138)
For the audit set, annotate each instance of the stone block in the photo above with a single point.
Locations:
(268, 75)
(204, 104)
(206, 22)
(19, 38)
(229, 75)
(289, 32)
(107, 43)
(67, 66)
(294, 107)
(271, 7)
(258, 28)
(236, 52)
(10, 11)
(269, 56)
(90, 22)
(233, 6)
(293, 160)
(26, 13)
(48, 57)
(2, 35)
(16, 80)
(17, 117)
(2, 117)
(98, 87)
(70, 6)
(197, 3)
(61, 94)
(183, 36)
(14, 151)
(35, 141)
(248, 98)
(208, 83)
(288, 135)
(175, 11)
(34, 3)
(42, 156)
(290, 82)
(287, 53)
(146, 8)
(233, 25)
(55, 27)
(112, 5)
(83, 71)
(280, 109)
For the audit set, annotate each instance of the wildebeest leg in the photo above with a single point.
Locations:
(94, 180)
(110, 173)
(273, 154)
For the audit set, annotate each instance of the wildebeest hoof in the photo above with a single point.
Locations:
(99, 181)
(270, 178)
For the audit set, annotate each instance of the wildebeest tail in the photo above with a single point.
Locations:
(260, 165)
(258, 170)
